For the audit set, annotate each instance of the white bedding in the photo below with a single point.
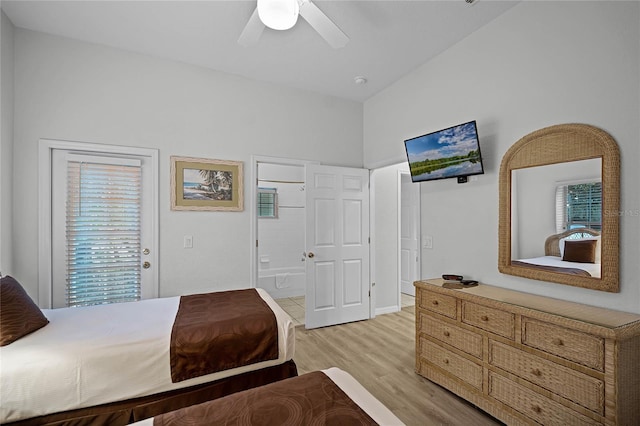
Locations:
(100, 354)
(591, 268)
(373, 407)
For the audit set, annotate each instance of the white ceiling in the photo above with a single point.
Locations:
(388, 39)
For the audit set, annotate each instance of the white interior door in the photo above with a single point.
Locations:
(409, 234)
(337, 245)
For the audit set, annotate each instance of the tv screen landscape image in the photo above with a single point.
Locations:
(448, 153)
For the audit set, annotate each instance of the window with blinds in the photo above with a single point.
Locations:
(579, 206)
(267, 202)
(103, 214)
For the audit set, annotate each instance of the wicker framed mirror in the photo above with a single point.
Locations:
(578, 254)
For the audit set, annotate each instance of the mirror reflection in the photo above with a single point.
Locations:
(556, 217)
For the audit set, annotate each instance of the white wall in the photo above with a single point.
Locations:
(539, 64)
(77, 91)
(6, 147)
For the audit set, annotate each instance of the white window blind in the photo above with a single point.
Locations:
(561, 208)
(103, 231)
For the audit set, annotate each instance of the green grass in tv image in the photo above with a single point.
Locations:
(428, 166)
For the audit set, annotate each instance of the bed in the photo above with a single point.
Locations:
(327, 397)
(114, 364)
(575, 252)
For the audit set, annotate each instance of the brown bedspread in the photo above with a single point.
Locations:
(222, 330)
(310, 399)
(123, 413)
(570, 271)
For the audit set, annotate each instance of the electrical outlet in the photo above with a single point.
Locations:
(188, 241)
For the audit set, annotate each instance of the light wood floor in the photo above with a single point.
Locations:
(380, 354)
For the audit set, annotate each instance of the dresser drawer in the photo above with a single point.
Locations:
(455, 336)
(573, 345)
(464, 369)
(439, 303)
(494, 320)
(575, 386)
(533, 405)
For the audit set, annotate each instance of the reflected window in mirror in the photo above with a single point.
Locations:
(579, 205)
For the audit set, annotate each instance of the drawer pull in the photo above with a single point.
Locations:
(536, 409)
(446, 361)
(446, 334)
(435, 302)
(536, 372)
(484, 318)
(557, 342)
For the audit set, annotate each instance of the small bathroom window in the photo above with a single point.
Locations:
(267, 203)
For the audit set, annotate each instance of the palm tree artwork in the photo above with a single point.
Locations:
(202, 184)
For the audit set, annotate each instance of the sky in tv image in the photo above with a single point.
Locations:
(456, 141)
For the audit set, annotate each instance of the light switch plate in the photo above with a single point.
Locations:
(428, 242)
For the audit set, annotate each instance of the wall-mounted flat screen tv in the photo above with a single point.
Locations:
(448, 153)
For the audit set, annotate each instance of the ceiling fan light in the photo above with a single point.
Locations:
(278, 14)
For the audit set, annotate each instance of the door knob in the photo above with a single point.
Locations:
(146, 265)
(310, 255)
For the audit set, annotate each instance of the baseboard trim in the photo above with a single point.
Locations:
(387, 310)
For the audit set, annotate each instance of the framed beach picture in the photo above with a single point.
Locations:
(204, 184)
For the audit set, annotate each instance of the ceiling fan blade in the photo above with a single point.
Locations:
(323, 25)
(252, 31)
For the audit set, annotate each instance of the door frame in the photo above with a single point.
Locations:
(374, 240)
(419, 251)
(255, 160)
(45, 148)
(372, 245)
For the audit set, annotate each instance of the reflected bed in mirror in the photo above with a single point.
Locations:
(573, 252)
(558, 188)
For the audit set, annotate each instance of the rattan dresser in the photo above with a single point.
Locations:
(528, 359)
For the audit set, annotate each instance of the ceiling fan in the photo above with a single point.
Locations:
(283, 14)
